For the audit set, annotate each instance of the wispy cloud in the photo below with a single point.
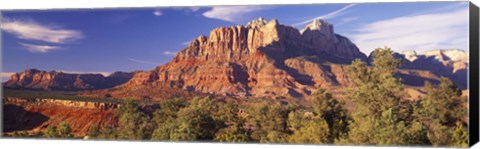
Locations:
(142, 61)
(327, 16)
(186, 43)
(31, 30)
(82, 72)
(347, 20)
(455, 6)
(157, 12)
(39, 48)
(4, 76)
(193, 8)
(231, 13)
(187, 9)
(443, 30)
(170, 53)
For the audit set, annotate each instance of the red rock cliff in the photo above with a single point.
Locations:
(261, 59)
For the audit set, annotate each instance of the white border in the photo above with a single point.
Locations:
(66, 4)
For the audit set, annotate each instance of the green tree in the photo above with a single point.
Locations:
(195, 121)
(332, 111)
(460, 136)
(134, 124)
(376, 88)
(267, 122)
(63, 130)
(232, 125)
(93, 132)
(443, 112)
(308, 128)
(51, 132)
(379, 117)
(165, 118)
(108, 133)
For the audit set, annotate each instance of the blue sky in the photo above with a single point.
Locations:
(108, 40)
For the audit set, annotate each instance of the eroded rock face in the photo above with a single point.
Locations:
(53, 80)
(261, 59)
(37, 115)
(443, 63)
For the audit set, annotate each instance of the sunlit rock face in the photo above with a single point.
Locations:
(447, 63)
(57, 80)
(260, 59)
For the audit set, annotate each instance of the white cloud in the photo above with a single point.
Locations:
(81, 72)
(347, 20)
(157, 12)
(194, 8)
(446, 30)
(39, 48)
(231, 13)
(169, 53)
(186, 43)
(4, 76)
(327, 16)
(31, 30)
(187, 9)
(142, 61)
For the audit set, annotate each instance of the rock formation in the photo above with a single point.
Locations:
(260, 59)
(443, 63)
(55, 80)
(37, 115)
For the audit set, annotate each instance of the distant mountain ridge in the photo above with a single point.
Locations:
(451, 55)
(58, 80)
(452, 63)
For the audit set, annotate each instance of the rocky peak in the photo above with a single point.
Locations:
(443, 56)
(31, 71)
(319, 25)
(409, 55)
(257, 23)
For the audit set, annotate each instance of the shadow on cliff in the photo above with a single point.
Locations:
(436, 67)
(414, 80)
(16, 118)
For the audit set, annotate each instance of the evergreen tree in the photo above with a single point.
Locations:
(134, 124)
(308, 128)
(51, 132)
(332, 111)
(194, 122)
(63, 130)
(232, 125)
(460, 136)
(108, 133)
(379, 116)
(267, 122)
(93, 132)
(165, 118)
(443, 112)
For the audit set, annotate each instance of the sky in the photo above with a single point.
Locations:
(109, 40)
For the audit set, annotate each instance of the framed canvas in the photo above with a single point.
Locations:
(342, 74)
